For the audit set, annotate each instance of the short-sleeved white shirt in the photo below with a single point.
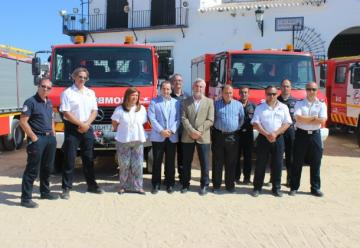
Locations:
(131, 123)
(79, 103)
(270, 118)
(305, 108)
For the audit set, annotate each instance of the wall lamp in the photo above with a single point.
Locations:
(259, 16)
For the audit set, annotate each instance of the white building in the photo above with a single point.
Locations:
(188, 28)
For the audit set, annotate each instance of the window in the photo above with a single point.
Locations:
(162, 12)
(116, 17)
(340, 74)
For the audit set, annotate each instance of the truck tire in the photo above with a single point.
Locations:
(149, 159)
(58, 162)
(15, 138)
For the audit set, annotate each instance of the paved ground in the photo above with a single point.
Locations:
(236, 220)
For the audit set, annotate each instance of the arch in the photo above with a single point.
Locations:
(346, 43)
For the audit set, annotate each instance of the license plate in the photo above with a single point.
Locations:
(103, 127)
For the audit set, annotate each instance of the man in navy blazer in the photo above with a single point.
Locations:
(164, 115)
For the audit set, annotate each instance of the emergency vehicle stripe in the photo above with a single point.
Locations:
(345, 105)
(339, 118)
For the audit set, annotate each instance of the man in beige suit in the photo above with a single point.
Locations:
(197, 116)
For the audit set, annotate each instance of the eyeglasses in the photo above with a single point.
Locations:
(271, 94)
(81, 77)
(311, 89)
(46, 87)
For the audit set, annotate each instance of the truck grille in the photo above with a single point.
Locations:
(104, 115)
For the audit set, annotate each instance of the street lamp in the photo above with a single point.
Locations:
(259, 16)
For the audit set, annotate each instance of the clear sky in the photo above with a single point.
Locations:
(34, 24)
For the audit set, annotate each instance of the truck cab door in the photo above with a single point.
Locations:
(353, 94)
(216, 88)
(338, 94)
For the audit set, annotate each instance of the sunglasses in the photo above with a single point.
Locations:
(46, 87)
(81, 77)
(311, 89)
(271, 94)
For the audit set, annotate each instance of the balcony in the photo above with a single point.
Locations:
(134, 20)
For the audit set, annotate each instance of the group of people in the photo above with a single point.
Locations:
(179, 124)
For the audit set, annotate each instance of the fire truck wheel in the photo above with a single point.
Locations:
(149, 159)
(58, 162)
(15, 138)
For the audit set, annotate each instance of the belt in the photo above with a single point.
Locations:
(44, 134)
(225, 133)
(309, 132)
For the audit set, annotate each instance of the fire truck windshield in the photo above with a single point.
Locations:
(107, 66)
(261, 70)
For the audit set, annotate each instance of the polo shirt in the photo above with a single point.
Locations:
(40, 114)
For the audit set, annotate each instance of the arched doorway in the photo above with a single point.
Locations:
(346, 43)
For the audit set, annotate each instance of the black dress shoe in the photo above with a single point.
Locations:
(231, 191)
(49, 196)
(238, 182)
(317, 193)
(277, 193)
(65, 194)
(29, 204)
(203, 191)
(292, 192)
(95, 190)
(155, 189)
(247, 182)
(184, 190)
(170, 189)
(216, 191)
(255, 193)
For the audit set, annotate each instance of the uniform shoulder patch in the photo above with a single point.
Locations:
(25, 108)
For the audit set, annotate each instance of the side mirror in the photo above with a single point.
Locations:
(169, 66)
(36, 66)
(213, 74)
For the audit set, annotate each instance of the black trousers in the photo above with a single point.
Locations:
(203, 152)
(40, 156)
(74, 140)
(225, 154)
(264, 151)
(246, 140)
(159, 149)
(179, 150)
(289, 137)
(307, 146)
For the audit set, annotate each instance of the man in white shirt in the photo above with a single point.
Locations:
(310, 114)
(271, 119)
(79, 107)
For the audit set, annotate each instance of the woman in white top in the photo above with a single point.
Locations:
(128, 120)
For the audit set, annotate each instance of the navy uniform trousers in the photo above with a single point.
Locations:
(264, 149)
(41, 155)
(307, 146)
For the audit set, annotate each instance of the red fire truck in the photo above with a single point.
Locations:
(343, 93)
(15, 78)
(256, 69)
(112, 68)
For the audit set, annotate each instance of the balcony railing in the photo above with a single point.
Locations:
(140, 19)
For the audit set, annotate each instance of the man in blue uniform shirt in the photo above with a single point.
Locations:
(289, 135)
(246, 138)
(37, 121)
(310, 114)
